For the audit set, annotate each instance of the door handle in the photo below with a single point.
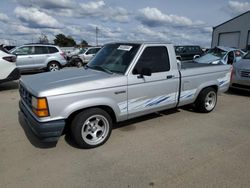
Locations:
(170, 76)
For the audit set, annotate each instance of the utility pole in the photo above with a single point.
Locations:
(96, 35)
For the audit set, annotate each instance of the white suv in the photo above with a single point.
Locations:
(87, 54)
(8, 67)
(39, 56)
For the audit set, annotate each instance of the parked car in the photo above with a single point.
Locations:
(33, 57)
(83, 57)
(221, 55)
(87, 54)
(8, 67)
(184, 53)
(123, 81)
(241, 73)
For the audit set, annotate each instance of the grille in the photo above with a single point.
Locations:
(245, 74)
(25, 95)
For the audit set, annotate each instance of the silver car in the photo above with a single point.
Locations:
(39, 56)
(241, 73)
(221, 55)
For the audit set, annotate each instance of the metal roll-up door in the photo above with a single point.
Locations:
(229, 39)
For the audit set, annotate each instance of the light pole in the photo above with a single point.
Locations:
(96, 35)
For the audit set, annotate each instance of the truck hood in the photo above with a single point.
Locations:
(208, 58)
(70, 81)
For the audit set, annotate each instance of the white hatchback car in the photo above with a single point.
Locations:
(8, 68)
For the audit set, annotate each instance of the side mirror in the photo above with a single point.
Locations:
(145, 72)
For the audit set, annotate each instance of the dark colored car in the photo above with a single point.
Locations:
(184, 53)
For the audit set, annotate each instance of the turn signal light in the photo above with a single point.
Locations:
(40, 107)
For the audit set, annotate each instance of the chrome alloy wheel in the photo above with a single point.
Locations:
(210, 100)
(54, 67)
(95, 129)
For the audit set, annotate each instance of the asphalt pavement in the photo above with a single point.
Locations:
(173, 148)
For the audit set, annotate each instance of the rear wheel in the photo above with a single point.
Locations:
(206, 100)
(53, 66)
(79, 64)
(91, 128)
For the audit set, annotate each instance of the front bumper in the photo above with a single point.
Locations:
(240, 83)
(45, 131)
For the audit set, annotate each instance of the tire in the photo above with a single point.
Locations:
(206, 100)
(53, 66)
(79, 64)
(91, 128)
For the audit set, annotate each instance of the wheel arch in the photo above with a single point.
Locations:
(106, 108)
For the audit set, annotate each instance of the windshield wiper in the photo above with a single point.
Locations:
(97, 67)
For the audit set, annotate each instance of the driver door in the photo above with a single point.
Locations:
(148, 94)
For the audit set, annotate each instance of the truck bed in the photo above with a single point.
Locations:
(193, 64)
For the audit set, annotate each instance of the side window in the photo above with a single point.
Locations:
(97, 49)
(52, 50)
(155, 58)
(90, 51)
(41, 50)
(25, 50)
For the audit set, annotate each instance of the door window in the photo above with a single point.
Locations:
(25, 50)
(52, 50)
(41, 50)
(155, 58)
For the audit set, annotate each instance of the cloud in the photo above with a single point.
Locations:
(103, 11)
(235, 7)
(48, 4)
(3, 17)
(23, 30)
(36, 18)
(93, 7)
(153, 17)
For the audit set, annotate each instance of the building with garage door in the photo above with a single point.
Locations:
(233, 33)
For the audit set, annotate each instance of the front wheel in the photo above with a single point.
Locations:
(91, 128)
(206, 100)
(53, 66)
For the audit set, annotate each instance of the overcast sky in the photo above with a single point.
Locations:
(175, 21)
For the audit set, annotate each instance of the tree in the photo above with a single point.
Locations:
(84, 43)
(43, 39)
(63, 41)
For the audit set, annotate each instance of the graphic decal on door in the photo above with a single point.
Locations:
(141, 102)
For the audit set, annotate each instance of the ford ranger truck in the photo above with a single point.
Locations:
(123, 81)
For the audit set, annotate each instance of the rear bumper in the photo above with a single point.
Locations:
(45, 131)
(14, 75)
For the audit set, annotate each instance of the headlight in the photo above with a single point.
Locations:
(215, 62)
(40, 106)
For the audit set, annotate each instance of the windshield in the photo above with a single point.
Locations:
(82, 50)
(114, 58)
(217, 52)
(247, 56)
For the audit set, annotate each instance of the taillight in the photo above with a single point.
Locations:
(232, 72)
(11, 59)
(63, 55)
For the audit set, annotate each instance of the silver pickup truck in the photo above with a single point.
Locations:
(123, 81)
